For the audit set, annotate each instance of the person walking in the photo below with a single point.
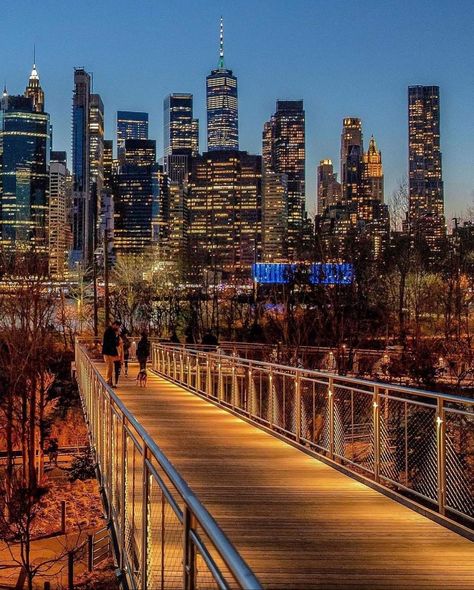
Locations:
(126, 351)
(143, 351)
(110, 349)
(119, 360)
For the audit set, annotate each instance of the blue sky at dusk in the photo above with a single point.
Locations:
(343, 58)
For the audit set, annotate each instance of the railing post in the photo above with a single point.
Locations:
(233, 391)
(189, 552)
(145, 524)
(90, 552)
(220, 380)
(298, 405)
(376, 431)
(441, 453)
(331, 416)
(70, 570)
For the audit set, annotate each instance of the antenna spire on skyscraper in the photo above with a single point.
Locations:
(221, 45)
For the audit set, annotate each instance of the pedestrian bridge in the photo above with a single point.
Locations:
(226, 472)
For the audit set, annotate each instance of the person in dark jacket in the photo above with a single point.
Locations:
(209, 339)
(143, 351)
(110, 349)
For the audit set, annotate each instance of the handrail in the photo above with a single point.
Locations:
(416, 442)
(325, 374)
(230, 556)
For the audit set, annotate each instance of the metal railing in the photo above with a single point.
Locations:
(166, 539)
(419, 443)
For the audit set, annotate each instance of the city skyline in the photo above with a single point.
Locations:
(313, 69)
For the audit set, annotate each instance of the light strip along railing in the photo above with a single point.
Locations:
(166, 538)
(419, 443)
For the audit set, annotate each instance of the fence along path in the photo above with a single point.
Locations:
(296, 521)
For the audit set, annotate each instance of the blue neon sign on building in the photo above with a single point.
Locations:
(319, 273)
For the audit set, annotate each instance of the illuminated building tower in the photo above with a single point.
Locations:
(181, 130)
(34, 90)
(130, 125)
(109, 165)
(136, 198)
(283, 152)
(329, 189)
(96, 157)
(351, 136)
(274, 216)
(222, 108)
(426, 196)
(225, 210)
(83, 213)
(59, 215)
(106, 214)
(371, 209)
(24, 174)
(171, 231)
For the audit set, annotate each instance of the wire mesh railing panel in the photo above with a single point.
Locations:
(226, 373)
(172, 548)
(315, 413)
(241, 389)
(262, 395)
(459, 453)
(155, 545)
(284, 406)
(354, 426)
(408, 445)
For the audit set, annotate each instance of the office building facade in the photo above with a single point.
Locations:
(136, 198)
(60, 199)
(130, 125)
(181, 130)
(83, 207)
(426, 190)
(224, 206)
(284, 152)
(24, 161)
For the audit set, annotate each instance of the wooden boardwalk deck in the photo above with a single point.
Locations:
(299, 523)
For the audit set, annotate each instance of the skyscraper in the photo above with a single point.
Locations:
(274, 216)
(136, 198)
(83, 214)
(426, 194)
(351, 136)
(24, 162)
(96, 158)
(181, 130)
(329, 189)
(130, 125)
(284, 153)
(222, 106)
(225, 210)
(59, 203)
(34, 91)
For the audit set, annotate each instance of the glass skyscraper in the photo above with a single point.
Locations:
(24, 173)
(283, 152)
(222, 107)
(83, 210)
(181, 130)
(130, 125)
(136, 198)
(426, 193)
(225, 202)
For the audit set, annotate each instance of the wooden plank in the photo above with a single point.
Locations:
(299, 523)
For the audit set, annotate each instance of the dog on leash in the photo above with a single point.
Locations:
(141, 378)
